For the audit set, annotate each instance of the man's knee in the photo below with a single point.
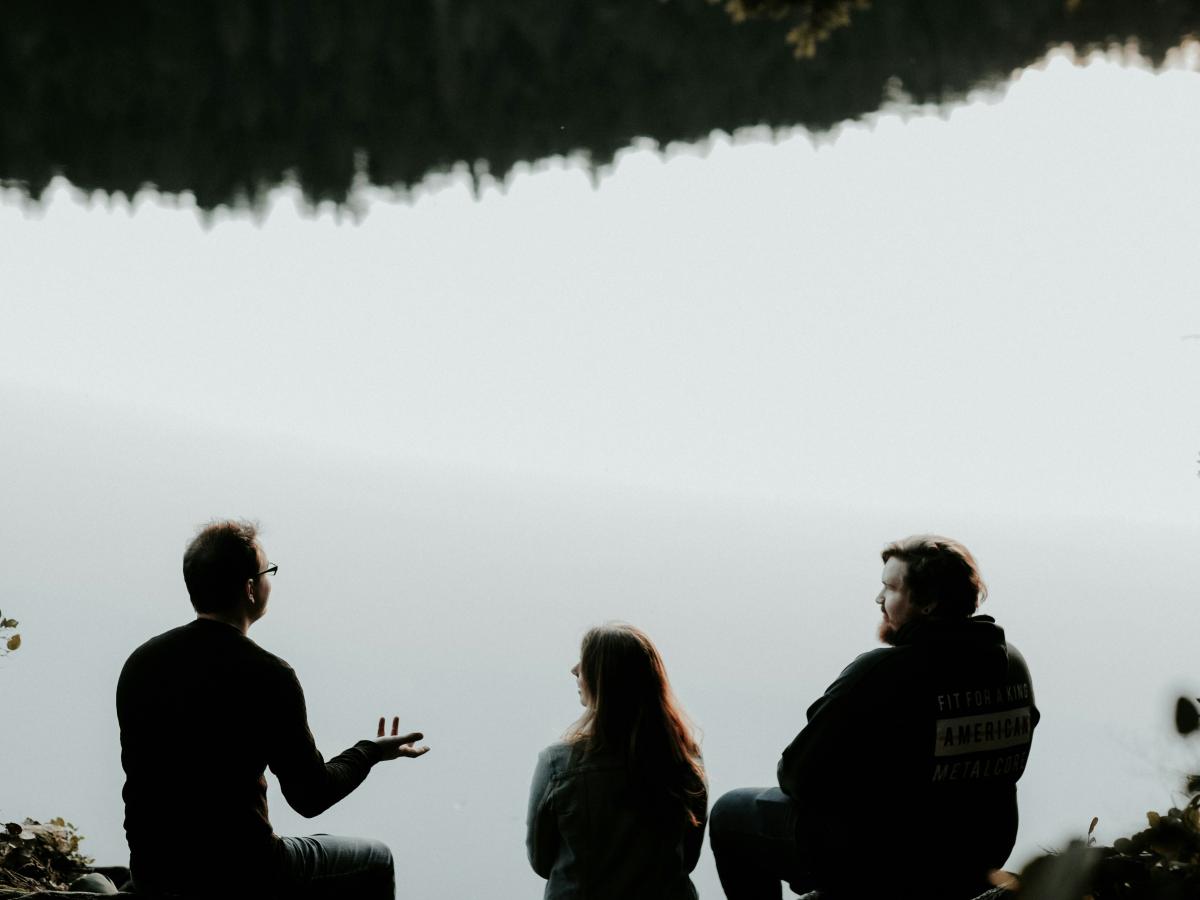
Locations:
(327, 856)
(384, 855)
(374, 869)
(379, 852)
(719, 815)
(729, 813)
(376, 857)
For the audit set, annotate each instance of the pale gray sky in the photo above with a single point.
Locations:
(1002, 290)
(698, 396)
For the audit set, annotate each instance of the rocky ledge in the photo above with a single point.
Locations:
(99, 881)
(108, 881)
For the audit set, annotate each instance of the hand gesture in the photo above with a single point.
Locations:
(396, 745)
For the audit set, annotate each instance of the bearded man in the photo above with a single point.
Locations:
(903, 782)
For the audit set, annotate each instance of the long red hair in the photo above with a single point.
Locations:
(633, 712)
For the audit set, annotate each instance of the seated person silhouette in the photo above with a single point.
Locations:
(617, 809)
(203, 712)
(903, 782)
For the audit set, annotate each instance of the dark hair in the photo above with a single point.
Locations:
(633, 712)
(940, 571)
(220, 557)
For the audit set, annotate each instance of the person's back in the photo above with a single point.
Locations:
(910, 762)
(201, 709)
(595, 829)
(203, 712)
(617, 810)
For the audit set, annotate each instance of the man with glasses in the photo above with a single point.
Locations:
(203, 712)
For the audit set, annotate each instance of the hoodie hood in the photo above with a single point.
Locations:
(977, 630)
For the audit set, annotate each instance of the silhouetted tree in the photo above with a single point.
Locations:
(228, 98)
(811, 21)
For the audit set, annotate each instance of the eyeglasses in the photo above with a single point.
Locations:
(269, 570)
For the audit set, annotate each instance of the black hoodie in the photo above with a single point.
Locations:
(905, 775)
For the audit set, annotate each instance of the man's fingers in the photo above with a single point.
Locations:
(398, 740)
(413, 752)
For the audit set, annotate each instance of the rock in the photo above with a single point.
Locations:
(85, 894)
(100, 881)
(74, 895)
(93, 883)
(118, 875)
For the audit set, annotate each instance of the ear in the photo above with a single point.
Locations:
(250, 591)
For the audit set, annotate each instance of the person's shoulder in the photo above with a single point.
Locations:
(565, 762)
(554, 763)
(871, 672)
(166, 642)
(240, 647)
(268, 658)
(174, 635)
(1017, 658)
(872, 662)
(556, 757)
(272, 665)
(158, 660)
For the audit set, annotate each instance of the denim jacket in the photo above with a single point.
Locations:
(590, 840)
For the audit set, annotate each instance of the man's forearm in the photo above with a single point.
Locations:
(312, 790)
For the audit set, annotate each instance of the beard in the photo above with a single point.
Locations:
(886, 632)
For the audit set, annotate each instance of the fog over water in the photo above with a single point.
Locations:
(699, 397)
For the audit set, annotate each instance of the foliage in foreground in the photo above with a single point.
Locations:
(8, 641)
(36, 856)
(1160, 862)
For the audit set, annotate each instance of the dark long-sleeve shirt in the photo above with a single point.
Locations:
(203, 712)
(907, 768)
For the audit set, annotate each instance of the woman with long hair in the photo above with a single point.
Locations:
(617, 808)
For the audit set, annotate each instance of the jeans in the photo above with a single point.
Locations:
(329, 867)
(753, 836)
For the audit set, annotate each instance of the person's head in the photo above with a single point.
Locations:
(620, 672)
(631, 710)
(221, 568)
(926, 575)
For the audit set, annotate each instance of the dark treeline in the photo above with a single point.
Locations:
(227, 99)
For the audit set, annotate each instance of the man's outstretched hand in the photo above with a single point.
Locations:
(395, 745)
